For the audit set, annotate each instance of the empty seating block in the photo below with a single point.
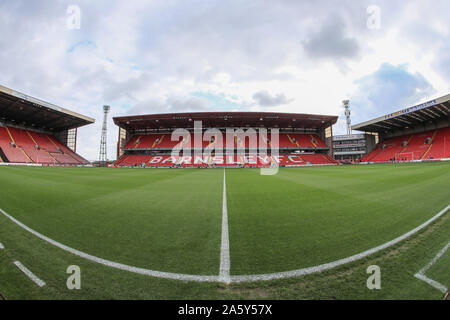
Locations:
(12, 151)
(285, 140)
(434, 144)
(164, 143)
(26, 146)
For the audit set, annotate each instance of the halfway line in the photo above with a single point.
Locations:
(225, 245)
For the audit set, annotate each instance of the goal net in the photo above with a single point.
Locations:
(407, 156)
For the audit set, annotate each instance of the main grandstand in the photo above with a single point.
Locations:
(303, 139)
(420, 132)
(33, 131)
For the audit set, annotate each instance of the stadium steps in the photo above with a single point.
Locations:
(292, 141)
(60, 159)
(406, 145)
(131, 142)
(75, 158)
(25, 153)
(430, 145)
(32, 139)
(438, 148)
(158, 141)
(417, 146)
(55, 160)
(42, 151)
(138, 142)
(41, 140)
(392, 150)
(428, 150)
(3, 157)
(132, 160)
(313, 140)
(53, 142)
(10, 135)
(372, 155)
(163, 141)
(318, 159)
(329, 159)
(18, 146)
(441, 145)
(119, 161)
(26, 146)
(63, 158)
(12, 152)
(188, 140)
(72, 155)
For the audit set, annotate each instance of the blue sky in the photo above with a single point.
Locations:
(388, 89)
(180, 56)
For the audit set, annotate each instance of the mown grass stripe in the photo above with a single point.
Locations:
(243, 278)
(334, 264)
(153, 273)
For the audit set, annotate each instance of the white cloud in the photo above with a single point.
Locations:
(264, 98)
(289, 56)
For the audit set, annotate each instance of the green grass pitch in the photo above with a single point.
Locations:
(440, 271)
(171, 220)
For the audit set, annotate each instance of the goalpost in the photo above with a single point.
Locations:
(407, 156)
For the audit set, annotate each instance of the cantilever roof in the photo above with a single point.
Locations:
(24, 110)
(226, 119)
(430, 111)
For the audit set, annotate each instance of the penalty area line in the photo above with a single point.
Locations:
(224, 275)
(334, 264)
(421, 274)
(29, 274)
(232, 279)
(112, 264)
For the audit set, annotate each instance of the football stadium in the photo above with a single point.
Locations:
(223, 205)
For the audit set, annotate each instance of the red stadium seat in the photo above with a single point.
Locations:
(163, 141)
(433, 144)
(26, 146)
(247, 160)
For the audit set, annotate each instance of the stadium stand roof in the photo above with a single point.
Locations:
(226, 119)
(24, 110)
(427, 112)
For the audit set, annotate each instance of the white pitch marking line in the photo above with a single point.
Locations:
(421, 274)
(225, 244)
(334, 264)
(29, 274)
(243, 278)
(120, 266)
